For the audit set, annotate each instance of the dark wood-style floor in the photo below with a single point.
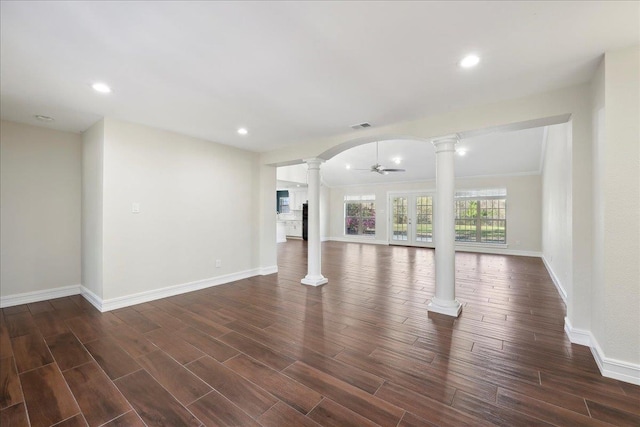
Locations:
(359, 351)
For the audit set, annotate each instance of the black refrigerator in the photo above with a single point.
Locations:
(305, 221)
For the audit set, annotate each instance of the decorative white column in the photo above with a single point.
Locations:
(314, 255)
(444, 302)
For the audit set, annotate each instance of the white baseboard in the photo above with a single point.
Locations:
(496, 250)
(358, 240)
(265, 271)
(94, 299)
(577, 336)
(133, 299)
(610, 368)
(169, 291)
(36, 296)
(556, 281)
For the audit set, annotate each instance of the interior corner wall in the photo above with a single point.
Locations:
(598, 318)
(557, 206)
(92, 205)
(40, 179)
(196, 205)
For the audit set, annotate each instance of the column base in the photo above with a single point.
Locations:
(448, 308)
(314, 280)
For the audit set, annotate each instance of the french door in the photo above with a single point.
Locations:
(411, 222)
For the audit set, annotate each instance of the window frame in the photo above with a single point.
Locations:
(361, 219)
(479, 221)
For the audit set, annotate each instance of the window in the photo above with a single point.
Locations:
(481, 216)
(360, 215)
(424, 219)
(283, 205)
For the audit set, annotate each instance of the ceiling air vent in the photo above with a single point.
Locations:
(361, 126)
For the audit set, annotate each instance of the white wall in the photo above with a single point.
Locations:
(523, 208)
(325, 211)
(618, 183)
(197, 202)
(265, 188)
(293, 173)
(557, 206)
(40, 178)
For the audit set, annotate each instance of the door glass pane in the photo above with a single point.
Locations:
(424, 219)
(399, 218)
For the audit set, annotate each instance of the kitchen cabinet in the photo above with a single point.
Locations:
(281, 232)
(294, 228)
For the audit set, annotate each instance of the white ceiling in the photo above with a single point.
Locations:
(504, 153)
(291, 71)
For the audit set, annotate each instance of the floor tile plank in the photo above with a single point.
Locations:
(329, 413)
(67, 351)
(289, 391)
(113, 359)
(353, 398)
(130, 419)
(612, 415)
(14, 416)
(98, 398)
(281, 415)
(10, 389)
(77, 421)
(256, 350)
(153, 403)
(493, 413)
(431, 410)
(30, 352)
(543, 410)
(207, 344)
(47, 396)
(178, 381)
(246, 395)
(216, 410)
(174, 346)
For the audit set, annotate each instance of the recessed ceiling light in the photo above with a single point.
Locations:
(469, 61)
(461, 152)
(101, 87)
(397, 160)
(44, 118)
(348, 166)
(243, 131)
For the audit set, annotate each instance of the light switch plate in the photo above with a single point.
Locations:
(135, 208)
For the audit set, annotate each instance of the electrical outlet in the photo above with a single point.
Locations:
(218, 263)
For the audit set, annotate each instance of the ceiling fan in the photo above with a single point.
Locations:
(377, 167)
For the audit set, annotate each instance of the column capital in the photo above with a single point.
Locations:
(314, 162)
(445, 143)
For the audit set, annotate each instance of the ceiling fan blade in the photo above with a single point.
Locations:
(393, 170)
